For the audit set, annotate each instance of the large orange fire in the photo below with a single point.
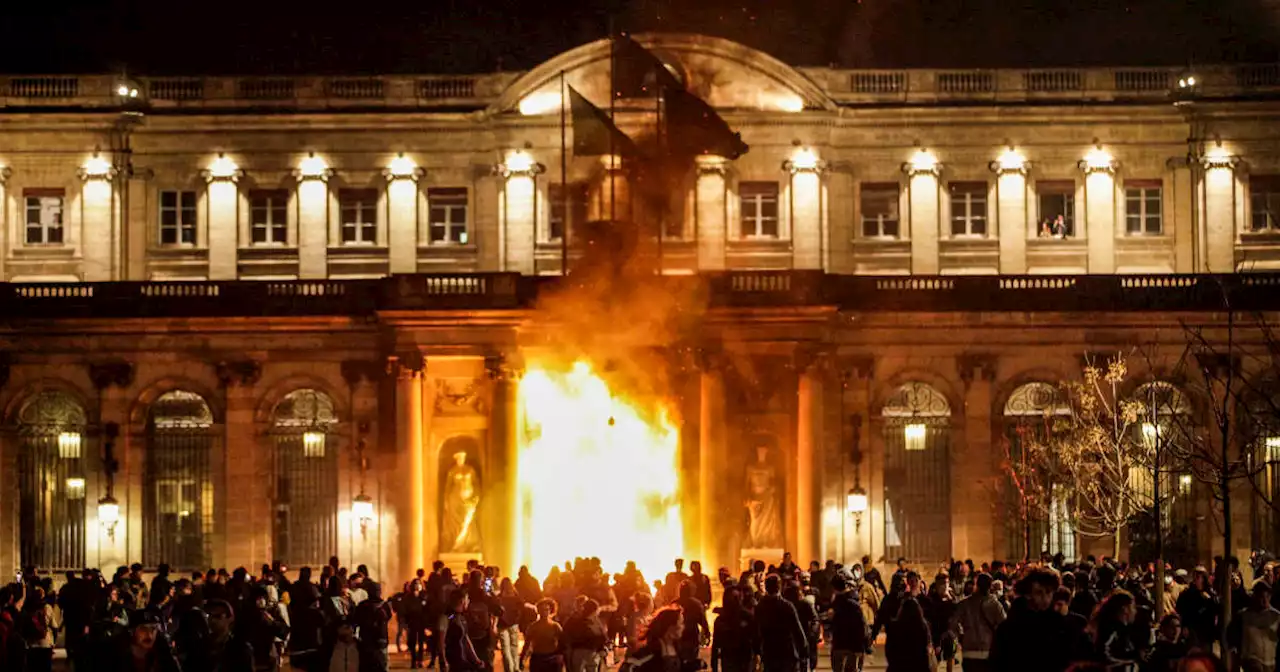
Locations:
(598, 475)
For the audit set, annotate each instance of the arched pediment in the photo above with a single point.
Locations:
(726, 74)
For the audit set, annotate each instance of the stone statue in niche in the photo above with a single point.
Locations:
(459, 532)
(763, 502)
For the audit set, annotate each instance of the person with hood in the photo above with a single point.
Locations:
(975, 621)
(849, 630)
(370, 619)
(1033, 637)
(1198, 608)
(908, 644)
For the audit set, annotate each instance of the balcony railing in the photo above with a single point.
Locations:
(732, 289)
(849, 87)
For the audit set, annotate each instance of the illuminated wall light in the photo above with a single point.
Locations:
(313, 168)
(126, 91)
(519, 164)
(97, 168)
(362, 509)
(1186, 82)
(75, 488)
(1097, 160)
(541, 102)
(914, 434)
(804, 160)
(1184, 484)
(923, 162)
(1010, 161)
(109, 515)
(402, 168)
(856, 501)
(313, 444)
(69, 445)
(222, 168)
(788, 103)
(1219, 157)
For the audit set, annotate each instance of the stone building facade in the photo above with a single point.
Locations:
(401, 229)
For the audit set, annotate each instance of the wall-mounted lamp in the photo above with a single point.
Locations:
(402, 168)
(1097, 160)
(109, 515)
(108, 507)
(362, 509)
(222, 168)
(856, 505)
(1219, 157)
(804, 160)
(1011, 162)
(518, 164)
(313, 443)
(914, 434)
(313, 168)
(97, 168)
(923, 162)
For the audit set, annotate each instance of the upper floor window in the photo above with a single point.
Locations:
(1264, 202)
(269, 217)
(968, 208)
(759, 209)
(359, 209)
(177, 218)
(447, 216)
(44, 216)
(1142, 208)
(568, 209)
(879, 208)
(1057, 201)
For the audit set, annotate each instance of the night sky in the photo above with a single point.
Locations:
(455, 36)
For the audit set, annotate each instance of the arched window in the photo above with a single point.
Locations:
(1258, 415)
(51, 482)
(177, 502)
(1038, 518)
(306, 478)
(917, 481)
(1164, 423)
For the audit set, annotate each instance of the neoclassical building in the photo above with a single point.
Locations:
(258, 318)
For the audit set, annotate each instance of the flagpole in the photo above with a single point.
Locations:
(564, 178)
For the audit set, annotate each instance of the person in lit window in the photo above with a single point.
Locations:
(1059, 227)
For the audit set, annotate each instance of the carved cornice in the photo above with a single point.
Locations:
(111, 374)
(406, 364)
(238, 373)
(979, 366)
(506, 366)
(356, 370)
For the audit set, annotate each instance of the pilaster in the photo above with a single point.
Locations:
(972, 525)
(246, 467)
(97, 239)
(811, 368)
(504, 371)
(410, 501)
(711, 209)
(1220, 194)
(924, 214)
(712, 455)
(1100, 218)
(313, 228)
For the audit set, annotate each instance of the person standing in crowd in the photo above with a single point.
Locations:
(734, 641)
(345, 656)
(412, 616)
(1254, 631)
(219, 649)
(482, 612)
(306, 629)
(145, 649)
(939, 607)
(975, 621)
(908, 644)
(371, 619)
(782, 638)
(701, 584)
(810, 624)
(1079, 645)
(511, 611)
(697, 632)
(1113, 643)
(660, 647)
(459, 654)
(1198, 608)
(544, 644)
(890, 604)
(671, 584)
(584, 636)
(637, 618)
(1033, 636)
(1170, 646)
(36, 627)
(849, 630)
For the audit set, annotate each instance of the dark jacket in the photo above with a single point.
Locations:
(908, 647)
(1030, 640)
(849, 630)
(782, 637)
(734, 640)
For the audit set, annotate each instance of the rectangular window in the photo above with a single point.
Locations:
(44, 216)
(177, 218)
(359, 209)
(879, 210)
(759, 209)
(1142, 208)
(269, 217)
(447, 216)
(968, 208)
(1264, 202)
(563, 219)
(1057, 209)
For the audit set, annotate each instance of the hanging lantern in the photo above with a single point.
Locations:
(109, 514)
(914, 434)
(75, 488)
(856, 501)
(362, 509)
(313, 443)
(69, 445)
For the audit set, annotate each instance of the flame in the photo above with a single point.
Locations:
(598, 475)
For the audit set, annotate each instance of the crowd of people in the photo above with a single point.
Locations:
(1047, 615)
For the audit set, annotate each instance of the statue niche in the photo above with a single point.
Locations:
(763, 492)
(460, 496)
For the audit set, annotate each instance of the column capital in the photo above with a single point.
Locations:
(710, 359)
(504, 366)
(976, 365)
(710, 164)
(354, 371)
(118, 373)
(814, 357)
(407, 364)
(857, 367)
(238, 373)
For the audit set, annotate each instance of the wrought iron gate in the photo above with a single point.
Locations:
(177, 498)
(306, 479)
(51, 482)
(917, 474)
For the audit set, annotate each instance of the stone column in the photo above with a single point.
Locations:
(1011, 210)
(97, 238)
(806, 210)
(223, 200)
(411, 504)
(519, 212)
(1181, 219)
(1219, 214)
(809, 453)
(972, 522)
(925, 212)
(402, 221)
(504, 371)
(313, 227)
(1100, 218)
(246, 500)
(711, 212)
(712, 451)
(858, 373)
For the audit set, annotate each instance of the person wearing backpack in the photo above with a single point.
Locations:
(370, 619)
(35, 624)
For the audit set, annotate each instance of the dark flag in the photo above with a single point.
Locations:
(694, 128)
(637, 73)
(593, 132)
